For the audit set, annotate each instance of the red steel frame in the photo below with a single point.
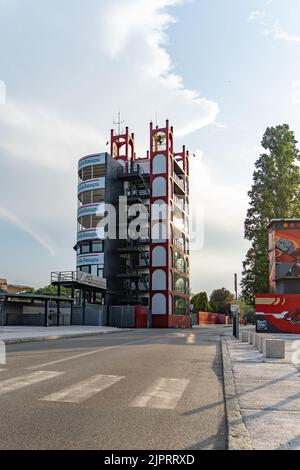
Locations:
(122, 148)
(167, 132)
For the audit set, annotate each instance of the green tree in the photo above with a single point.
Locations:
(200, 302)
(275, 193)
(249, 315)
(49, 290)
(220, 301)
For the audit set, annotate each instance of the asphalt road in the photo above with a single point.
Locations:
(145, 389)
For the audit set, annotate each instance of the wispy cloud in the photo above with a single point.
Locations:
(25, 227)
(257, 14)
(272, 27)
(44, 136)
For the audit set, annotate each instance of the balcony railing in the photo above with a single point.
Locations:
(179, 181)
(179, 245)
(131, 168)
(179, 202)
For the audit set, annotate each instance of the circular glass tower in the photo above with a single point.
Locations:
(91, 206)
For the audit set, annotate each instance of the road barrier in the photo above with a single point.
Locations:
(274, 348)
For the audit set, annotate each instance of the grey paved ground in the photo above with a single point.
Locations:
(268, 391)
(35, 412)
(23, 333)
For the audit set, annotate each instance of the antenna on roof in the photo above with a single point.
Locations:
(119, 122)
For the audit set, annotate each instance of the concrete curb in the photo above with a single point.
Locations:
(56, 337)
(238, 436)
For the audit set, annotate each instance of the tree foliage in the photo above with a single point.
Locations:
(275, 193)
(49, 290)
(200, 302)
(220, 301)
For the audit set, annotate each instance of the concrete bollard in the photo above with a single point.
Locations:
(250, 337)
(253, 339)
(244, 336)
(261, 344)
(257, 337)
(274, 348)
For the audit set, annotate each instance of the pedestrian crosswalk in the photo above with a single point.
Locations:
(164, 393)
(10, 385)
(84, 390)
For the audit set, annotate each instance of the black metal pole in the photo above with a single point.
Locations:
(57, 313)
(46, 313)
(235, 314)
(72, 304)
(83, 308)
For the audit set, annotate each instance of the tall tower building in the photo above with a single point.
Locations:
(142, 250)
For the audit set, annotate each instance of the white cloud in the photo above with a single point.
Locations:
(44, 136)
(254, 15)
(2, 92)
(133, 71)
(63, 108)
(135, 32)
(220, 125)
(223, 205)
(272, 27)
(43, 240)
(277, 32)
(296, 92)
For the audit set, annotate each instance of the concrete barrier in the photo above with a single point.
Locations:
(250, 337)
(244, 336)
(274, 348)
(257, 337)
(261, 344)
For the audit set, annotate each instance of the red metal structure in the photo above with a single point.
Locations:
(165, 176)
(122, 145)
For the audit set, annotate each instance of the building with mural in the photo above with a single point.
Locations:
(279, 311)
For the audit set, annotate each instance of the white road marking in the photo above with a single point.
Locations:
(84, 390)
(165, 394)
(191, 339)
(16, 383)
(89, 353)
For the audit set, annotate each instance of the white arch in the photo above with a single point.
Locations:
(159, 232)
(159, 210)
(159, 280)
(159, 304)
(159, 186)
(159, 257)
(159, 164)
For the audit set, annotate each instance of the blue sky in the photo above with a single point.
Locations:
(221, 70)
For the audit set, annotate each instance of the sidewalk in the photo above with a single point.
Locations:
(24, 334)
(267, 393)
